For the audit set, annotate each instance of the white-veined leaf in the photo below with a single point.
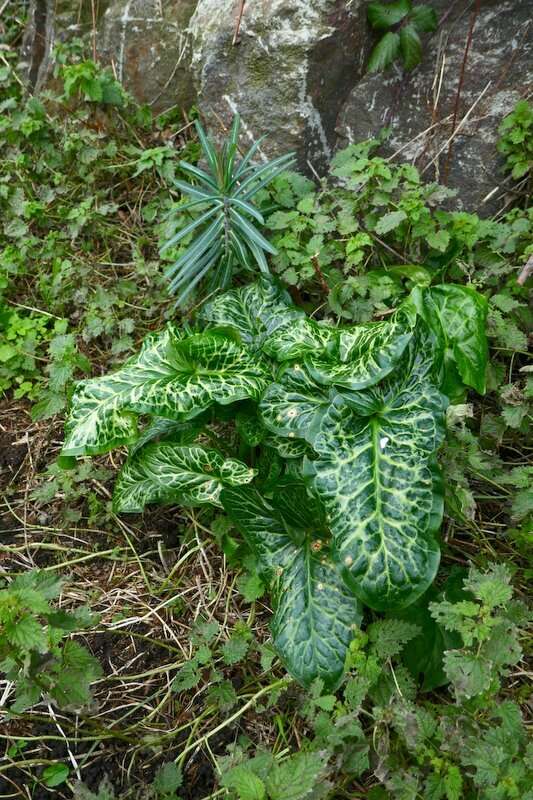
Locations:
(172, 377)
(255, 311)
(377, 479)
(168, 473)
(315, 614)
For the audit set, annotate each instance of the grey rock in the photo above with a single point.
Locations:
(420, 108)
(50, 21)
(290, 71)
(147, 43)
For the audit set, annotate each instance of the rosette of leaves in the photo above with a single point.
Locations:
(403, 24)
(335, 485)
(224, 218)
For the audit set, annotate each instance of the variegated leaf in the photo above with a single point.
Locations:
(300, 337)
(294, 405)
(162, 428)
(458, 316)
(168, 473)
(365, 354)
(315, 614)
(255, 310)
(376, 477)
(172, 377)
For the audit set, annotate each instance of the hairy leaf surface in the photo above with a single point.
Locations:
(314, 611)
(377, 479)
(170, 473)
(172, 377)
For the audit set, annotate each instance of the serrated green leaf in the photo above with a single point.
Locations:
(243, 781)
(295, 777)
(410, 47)
(255, 310)
(384, 52)
(389, 636)
(168, 473)
(377, 480)
(385, 15)
(469, 674)
(390, 221)
(314, 612)
(27, 633)
(168, 778)
(172, 377)
(424, 18)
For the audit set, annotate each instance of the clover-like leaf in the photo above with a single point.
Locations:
(168, 473)
(377, 479)
(255, 310)
(315, 613)
(172, 377)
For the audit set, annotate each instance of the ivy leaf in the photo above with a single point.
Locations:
(378, 482)
(424, 18)
(299, 338)
(383, 16)
(255, 310)
(172, 377)
(168, 473)
(410, 46)
(314, 612)
(366, 354)
(384, 52)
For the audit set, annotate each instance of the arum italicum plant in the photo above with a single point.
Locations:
(224, 216)
(335, 485)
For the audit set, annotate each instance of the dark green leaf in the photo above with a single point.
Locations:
(384, 52)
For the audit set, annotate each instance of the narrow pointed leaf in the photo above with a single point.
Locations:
(168, 473)
(190, 227)
(252, 233)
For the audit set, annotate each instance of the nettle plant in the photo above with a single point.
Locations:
(327, 447)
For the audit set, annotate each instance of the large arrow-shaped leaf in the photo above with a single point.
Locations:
(315, 613)
(458, 315)
(170, 473)
(256, 310)
(364, 355)
(295, 404)
(299, 338)
(376, 478)
(172, 377)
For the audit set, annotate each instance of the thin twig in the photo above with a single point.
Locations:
(238, 25)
